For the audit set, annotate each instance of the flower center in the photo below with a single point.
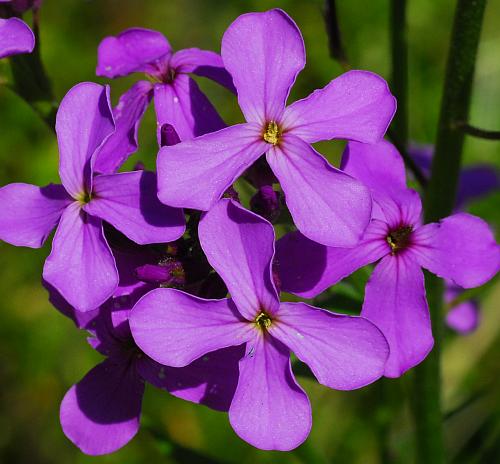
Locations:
(263, 321)
(84, 198)
(400, 238)
(272, 133)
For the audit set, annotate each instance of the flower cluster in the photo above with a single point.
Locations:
(145, 261)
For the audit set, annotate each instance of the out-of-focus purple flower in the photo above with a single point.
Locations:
(475, 181)
(463, 317)
(81, 266)
(460, 247)
(269, 409)
(264, 52)
(266, 203)
(16, 37)
(21, 6)
(178, 100)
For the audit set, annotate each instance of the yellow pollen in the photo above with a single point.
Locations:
(272, 133)
(83, 198)
(263, 320)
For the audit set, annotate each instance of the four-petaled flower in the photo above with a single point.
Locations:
(460, 247)
(178, 99)
(81, 266)
(264, 52)
(269, 409)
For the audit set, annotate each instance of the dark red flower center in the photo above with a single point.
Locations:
(399, 238)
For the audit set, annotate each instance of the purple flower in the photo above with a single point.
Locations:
(464, 317)
(81, 266)
(178, 99)
(264, 52)
(101, 413)
(460, 247)
(269, 409)
(15, 36)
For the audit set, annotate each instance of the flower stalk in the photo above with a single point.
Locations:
(439, 202)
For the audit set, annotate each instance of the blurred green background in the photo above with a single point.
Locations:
(42, 354)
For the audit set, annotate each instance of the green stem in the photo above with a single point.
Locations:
(31, 82)
(399, 61)
(439, 201)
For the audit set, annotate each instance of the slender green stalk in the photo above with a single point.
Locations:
(399, 61)
(337, 50)
(439, 201)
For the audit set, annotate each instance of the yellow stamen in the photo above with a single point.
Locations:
(272, 133)
(263, 320)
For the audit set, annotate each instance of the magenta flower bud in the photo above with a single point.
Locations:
(165, 273)
(168, 136)
(266, 203)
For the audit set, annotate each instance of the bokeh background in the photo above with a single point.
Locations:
(42, 354)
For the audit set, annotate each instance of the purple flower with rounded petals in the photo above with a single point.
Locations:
(269, 409)
(460, 247)
(101, 413)
(463, 317)
(81, 266)
(264, 52)
(178, 99)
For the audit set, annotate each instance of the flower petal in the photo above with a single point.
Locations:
(84, 122)
(379, 166)
(263, 52)
(461, 247)
(184, 106)
(210, 380)
(395, 302)
(123, 142)
(175, 328)
(202, 63)
(128, 201)
(222, 156)
(239, 245)
(269, 409)
(307, 268)
(357, 105)
(80, 265)
(15, 37)
(344, 352)
(133, 50)
(101, 413)
(475, 182)
(327, 205)
(29, 213)
(464, 318)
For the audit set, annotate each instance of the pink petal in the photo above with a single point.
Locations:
(128, 201)
(461, 248)
(123, 142)
(175, 328)
(395, 302)
(15, 37)
(100, 414)
(84, 122)
(357, 105)
(222, 156)
(269, 410)
(327, 206)
(379, 166)
(80, 265)
(263, 52)
(307, 268)
(202, 63)
(240, 247)
(184, 106)
(29, 213)
(344, 352)
(133, 50)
